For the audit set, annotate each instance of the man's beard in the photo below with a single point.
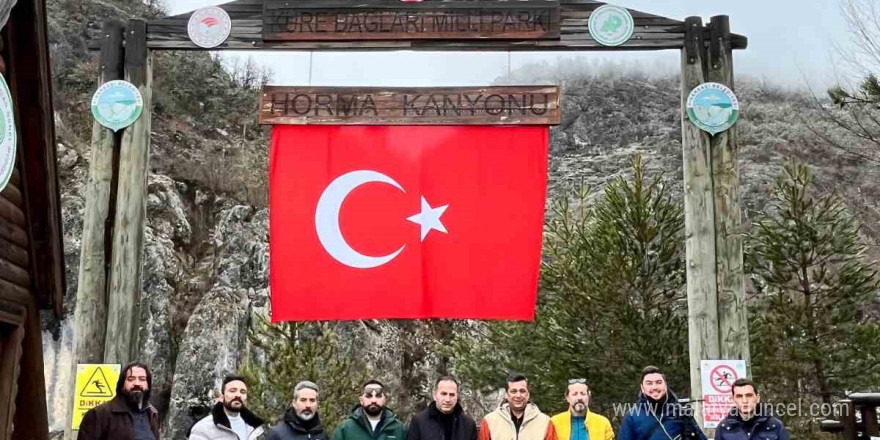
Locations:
(233, 409)
(134, 396)
(579, 407)
(305, 415)
(373, 410)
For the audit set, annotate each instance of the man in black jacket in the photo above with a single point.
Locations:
(444, 418)
(747, 420)
(301, 421)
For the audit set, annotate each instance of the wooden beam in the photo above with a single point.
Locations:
(131, 201)
(90, 315)
(699, 213)
(652, 32)
(733, 326)
(31, 420)
(502, 105)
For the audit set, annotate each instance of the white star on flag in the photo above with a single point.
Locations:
(429, 218)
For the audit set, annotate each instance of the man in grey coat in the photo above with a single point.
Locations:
(229, 419)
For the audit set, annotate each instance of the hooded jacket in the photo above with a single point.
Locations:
(216, 426)
(294, 428)
(357, 427)
(113, 420)
(668, 423)
(498, 425)
(598, 427)
(764, 428)
(426, 425)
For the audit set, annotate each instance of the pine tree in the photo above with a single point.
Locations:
(295, 351)
(813, 333)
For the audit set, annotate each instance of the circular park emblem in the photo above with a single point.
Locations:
(713, 107)
(209, 27)
(611, 25)
(117, 104)
(8, 136)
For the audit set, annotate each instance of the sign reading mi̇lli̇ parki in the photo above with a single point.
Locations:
(391, 20)
(503, 105)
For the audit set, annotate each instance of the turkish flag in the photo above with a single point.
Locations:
(371, 222)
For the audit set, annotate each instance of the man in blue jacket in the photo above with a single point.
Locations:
(657, 415)
(747, 420)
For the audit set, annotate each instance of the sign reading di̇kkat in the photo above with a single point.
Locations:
(95, 384)
(712, 107)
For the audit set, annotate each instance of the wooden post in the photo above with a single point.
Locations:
(733, 327)
(131, 201)
(90, 315)
(699, 218)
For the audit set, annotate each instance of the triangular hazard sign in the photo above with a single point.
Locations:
(97, 386)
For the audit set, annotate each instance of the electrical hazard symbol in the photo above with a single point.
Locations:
(95, 384)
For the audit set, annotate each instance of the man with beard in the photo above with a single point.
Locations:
(371, 420)
(658, 415)
(748, 418)
(579, 423)
(229, 419)
(301, 421)
(517, 418)
(129, 416)
(444, 418)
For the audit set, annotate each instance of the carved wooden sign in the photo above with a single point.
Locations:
(317, 20)
(505, 105)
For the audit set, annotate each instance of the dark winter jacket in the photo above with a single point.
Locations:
(294, 428)
(764, 428)
(112, 421)
(216, 425)
(669, 423)
(426, 425)
(357, 427)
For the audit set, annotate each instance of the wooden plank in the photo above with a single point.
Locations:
(13, 194)
(699, 213)
(32, 421)
(14, 274)
(9, 373)
(90, 315)
(12, 213)
(733, 324)
(131, 202)
(326, 20)
(13, 253)
(506, 105)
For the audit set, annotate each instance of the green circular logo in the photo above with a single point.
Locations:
(611, 25)
(712, 107)
(117, 104)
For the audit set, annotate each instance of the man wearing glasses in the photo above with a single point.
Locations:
(517, 418)
(371, 420)
(579, 423)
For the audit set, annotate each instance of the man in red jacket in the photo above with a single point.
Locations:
(129, 416)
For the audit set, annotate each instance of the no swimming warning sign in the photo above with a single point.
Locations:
(95, 384)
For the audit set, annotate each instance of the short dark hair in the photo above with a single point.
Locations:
(446, 377)
(650, 369)
(231, 378)
(516, 377)
(374, 382)
(743, 382)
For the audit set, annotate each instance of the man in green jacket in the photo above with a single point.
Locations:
(371, 420)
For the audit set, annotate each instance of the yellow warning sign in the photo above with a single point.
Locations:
(95, 384)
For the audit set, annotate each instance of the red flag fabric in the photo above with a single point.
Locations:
(370, 222)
